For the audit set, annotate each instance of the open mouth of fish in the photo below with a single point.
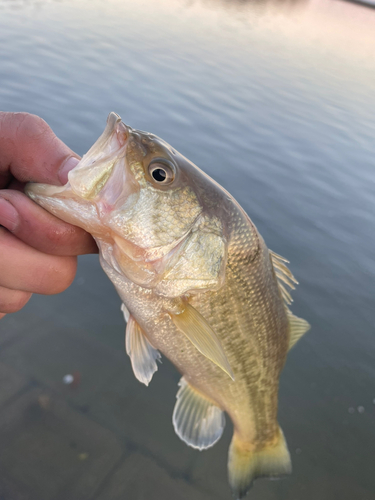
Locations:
(95, 186)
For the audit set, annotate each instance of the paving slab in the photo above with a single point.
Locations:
(143, 416)
(11, 382)
(48, 451)
(13, 326)
(107, 390)
(9, 491)
(315, 485)
(48, 356)
(140, 478)
(209, 469)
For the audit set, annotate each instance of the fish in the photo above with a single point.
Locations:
(198, 285)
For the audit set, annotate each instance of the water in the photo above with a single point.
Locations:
(277, 103)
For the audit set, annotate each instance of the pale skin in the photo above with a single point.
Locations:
(38, 251)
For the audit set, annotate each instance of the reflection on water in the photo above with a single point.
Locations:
(241, 4)
(227, 4)
(276, 102)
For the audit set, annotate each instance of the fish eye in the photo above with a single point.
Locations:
(162, 171)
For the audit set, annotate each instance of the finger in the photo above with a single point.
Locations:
(12, 300)
(41, 230)
(2, 315)
(30, 151)
(24, 268)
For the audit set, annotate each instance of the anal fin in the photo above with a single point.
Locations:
(196, 420)
(142, 355)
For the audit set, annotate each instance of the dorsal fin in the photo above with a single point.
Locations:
(283, 275)
(297, 326)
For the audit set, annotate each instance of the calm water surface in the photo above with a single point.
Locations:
(276, 103)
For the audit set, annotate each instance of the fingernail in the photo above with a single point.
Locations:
(8, 215)
(66, 167)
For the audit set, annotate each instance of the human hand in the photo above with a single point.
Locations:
(37, 250)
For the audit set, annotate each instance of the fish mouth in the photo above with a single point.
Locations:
(90, 175)
(94, 184)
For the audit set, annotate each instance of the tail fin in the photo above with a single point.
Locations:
(245, 464)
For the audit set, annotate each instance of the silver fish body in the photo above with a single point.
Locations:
(198, 284)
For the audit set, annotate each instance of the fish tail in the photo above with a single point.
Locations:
(246, 464)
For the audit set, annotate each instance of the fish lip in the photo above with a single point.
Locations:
(114, 124)
(48, 190)
(109, 147)
(37, 191)
(91, 174)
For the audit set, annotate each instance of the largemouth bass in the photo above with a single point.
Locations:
(198, 284)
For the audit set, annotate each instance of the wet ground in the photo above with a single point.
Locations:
(276, 102)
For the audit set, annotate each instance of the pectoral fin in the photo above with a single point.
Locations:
(142, 355)
(201, 335)
(195, 419)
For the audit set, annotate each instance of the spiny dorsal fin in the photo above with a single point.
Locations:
(192, 324)
(141, 353)
(283, 275)
(297, 328)
(195, 419)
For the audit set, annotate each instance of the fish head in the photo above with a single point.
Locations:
(139, 198)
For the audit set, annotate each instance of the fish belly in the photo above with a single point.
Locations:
(248, 316)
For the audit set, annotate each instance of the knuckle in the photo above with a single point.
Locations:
(24, 126)
(30, 126)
